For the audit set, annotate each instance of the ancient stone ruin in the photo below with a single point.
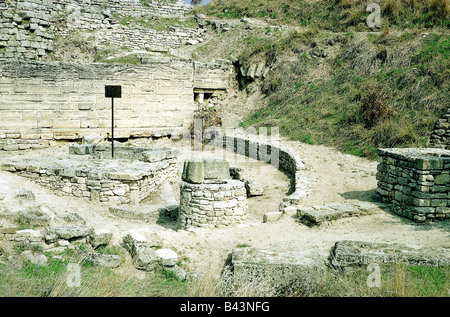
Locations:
(440, 138)
(209, 197)
(416, 182)
(89, 172)
(44, 102)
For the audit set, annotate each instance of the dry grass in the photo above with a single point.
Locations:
(397, 280)
(374, 105)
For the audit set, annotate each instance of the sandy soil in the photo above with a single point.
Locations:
(333, 176)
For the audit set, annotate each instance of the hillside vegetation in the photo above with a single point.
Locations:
(334, 81)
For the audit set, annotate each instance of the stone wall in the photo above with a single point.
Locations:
(209, 205)
(66, 101)
(119, 181)
(270, 151)
(416, 182)
(27, 28)
(212, 76)
(440, 138)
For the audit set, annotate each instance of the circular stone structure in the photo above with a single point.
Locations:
(214, 203)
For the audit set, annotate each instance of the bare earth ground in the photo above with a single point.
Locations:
(333, 177)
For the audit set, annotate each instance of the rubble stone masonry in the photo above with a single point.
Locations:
(416, 182)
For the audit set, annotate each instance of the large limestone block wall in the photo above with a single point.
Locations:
(66, 101)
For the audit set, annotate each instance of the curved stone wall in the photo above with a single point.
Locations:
(271, 152)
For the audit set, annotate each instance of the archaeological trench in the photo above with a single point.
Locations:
(45, 103)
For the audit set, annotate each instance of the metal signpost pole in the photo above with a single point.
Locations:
(112, 127)
(113, 92)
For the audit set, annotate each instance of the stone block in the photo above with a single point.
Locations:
(272, 216)
(216, 169)
(356, 253)
(253, 188)
(99, 239)
(194, 171)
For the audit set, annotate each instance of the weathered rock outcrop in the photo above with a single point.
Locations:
(357, 253)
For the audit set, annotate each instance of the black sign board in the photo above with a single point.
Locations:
(113, 91)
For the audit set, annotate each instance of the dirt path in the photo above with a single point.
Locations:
(333, 176)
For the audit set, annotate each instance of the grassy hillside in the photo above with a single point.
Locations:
(334, 15)
(336, 82)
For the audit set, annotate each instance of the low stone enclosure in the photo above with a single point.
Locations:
(416, 182)
(89, 172)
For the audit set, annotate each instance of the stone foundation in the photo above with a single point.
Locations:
(113, 181)
(215, 204)
(416, 182)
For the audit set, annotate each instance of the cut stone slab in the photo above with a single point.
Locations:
(319, 215)
(253, 188)
(53, 234)
(34, 257)
(144, 212)
(92, 139)
(29, 234)
(216, 169)
(272, 216)
(194, 172)
(278, 268)
(34, 217)
(357, 253)
(104, 260)
(100, 239)
(74, 218)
